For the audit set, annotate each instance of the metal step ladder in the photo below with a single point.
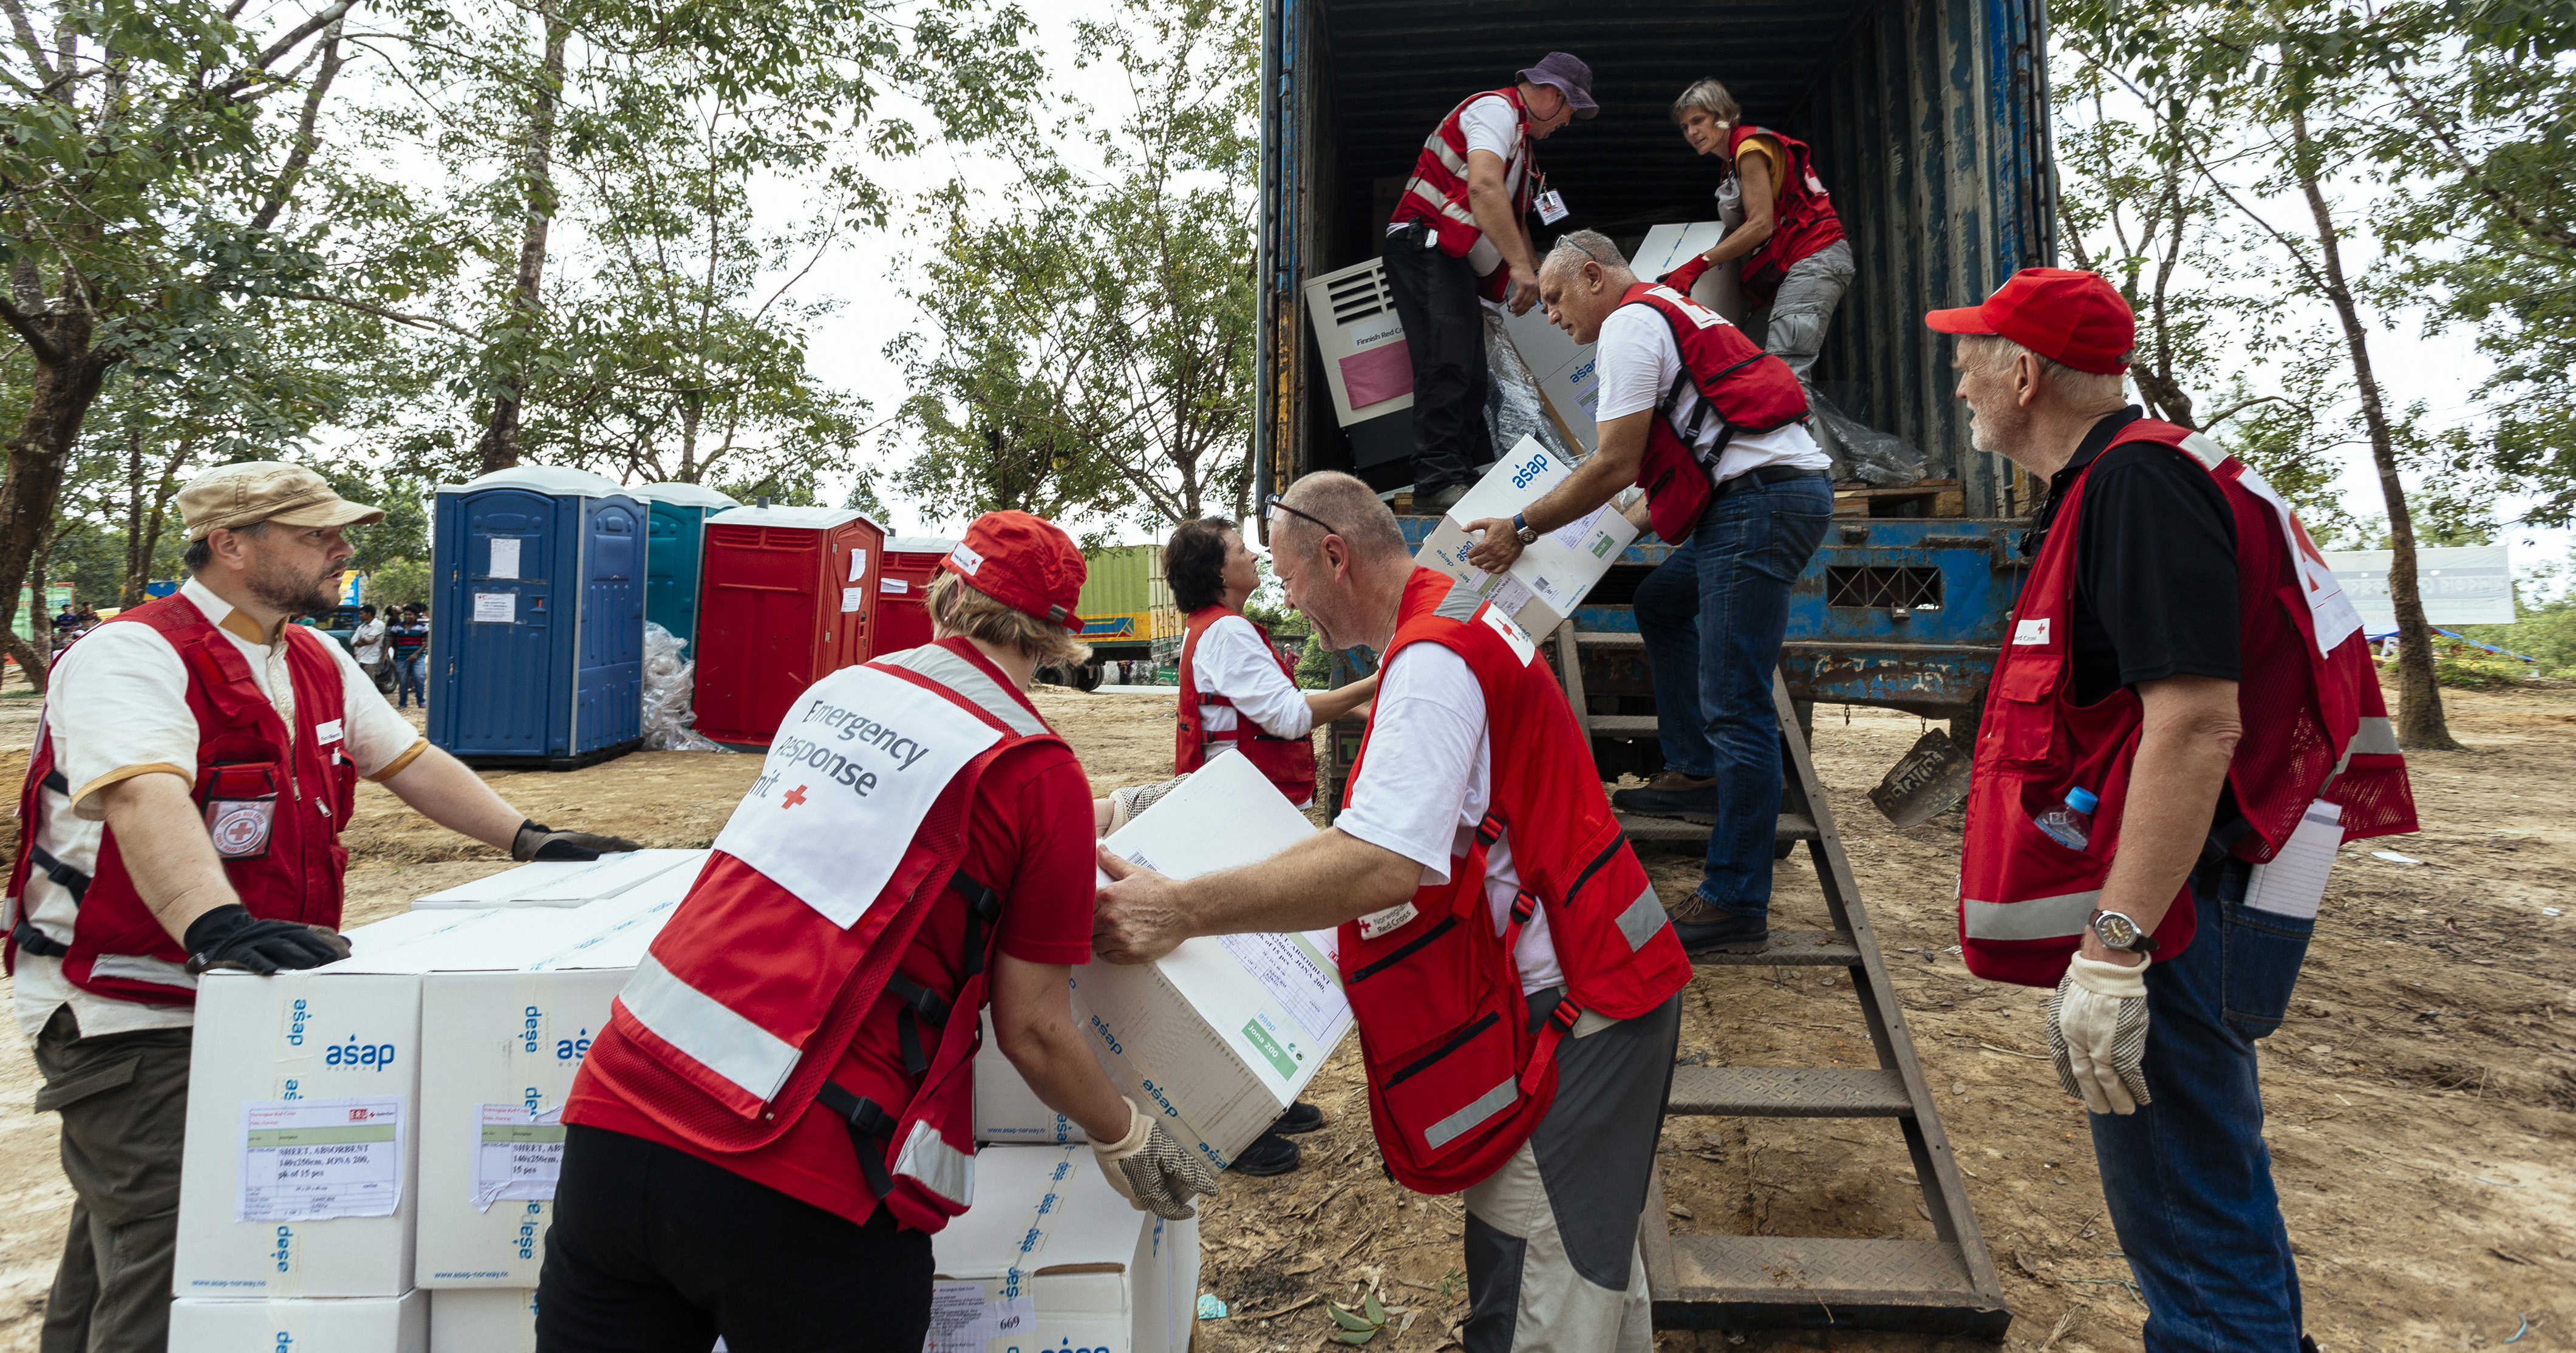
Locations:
(1944, 1285)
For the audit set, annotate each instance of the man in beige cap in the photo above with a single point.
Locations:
(196, 761)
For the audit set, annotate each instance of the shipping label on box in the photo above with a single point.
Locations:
(1552, 577)
(482, 1320)
(1218, 1036)
(312, 1325)
(1050, 1257)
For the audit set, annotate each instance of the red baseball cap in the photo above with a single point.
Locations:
(2072, 318)
(1024, 562)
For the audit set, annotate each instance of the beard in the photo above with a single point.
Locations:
(1997, 431)
(285, 588)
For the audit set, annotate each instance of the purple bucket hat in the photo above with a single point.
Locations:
(1569, 76)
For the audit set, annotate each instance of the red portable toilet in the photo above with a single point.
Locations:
(787, 595)
(903, 594)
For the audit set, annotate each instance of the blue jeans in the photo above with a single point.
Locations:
(1712, 617)
(408, 683)
(2187, 1177)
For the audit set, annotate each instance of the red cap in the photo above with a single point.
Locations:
(1023, 562)
(2072, 318)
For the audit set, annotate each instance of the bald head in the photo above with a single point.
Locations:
(1351, 508)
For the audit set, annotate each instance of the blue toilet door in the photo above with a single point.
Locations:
(493, 646)
(608, 691)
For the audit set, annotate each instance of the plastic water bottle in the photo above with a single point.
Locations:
(2072, 825)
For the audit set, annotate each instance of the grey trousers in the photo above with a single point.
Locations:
(1792, 328)
(124, 1104)
(1552, 1259)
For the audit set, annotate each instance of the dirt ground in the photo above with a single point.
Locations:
(2422, 1095)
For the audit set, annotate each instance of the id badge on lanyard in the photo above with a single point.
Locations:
(241, 810)
(1550, 202)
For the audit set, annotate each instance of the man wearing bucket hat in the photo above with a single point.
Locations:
(1459, 234)
(2182, 728)
(195, 762)
(768, 1065)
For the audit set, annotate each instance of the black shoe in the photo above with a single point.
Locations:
(1301, 1117)
(1671, 795)
(1273, 1154)
(1724, 931)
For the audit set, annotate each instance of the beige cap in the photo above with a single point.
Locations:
(266, 490)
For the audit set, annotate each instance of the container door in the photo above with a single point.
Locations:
(671, 569)
(858, 561)
(759, 628)
(491, 647)
(608, 688)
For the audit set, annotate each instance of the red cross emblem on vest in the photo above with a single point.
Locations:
(795, 797)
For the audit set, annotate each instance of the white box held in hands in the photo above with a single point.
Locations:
(1553, 576)
(309, 1325)
(1219, 1036)
(481, 1320)
(1051, 1258)
(565, 883)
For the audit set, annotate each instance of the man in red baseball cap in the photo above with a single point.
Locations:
(2184, 692)
(764, 1066)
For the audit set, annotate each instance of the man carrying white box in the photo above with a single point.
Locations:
(1713, 428)
(1510, 969)
(195, 763)
(780, 1110)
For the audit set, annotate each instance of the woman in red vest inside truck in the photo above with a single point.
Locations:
(1238, 690)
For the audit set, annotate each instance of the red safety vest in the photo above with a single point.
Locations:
(2314, 727)
(751, 994)
(274, 805)
(1802, 216)
(1457, 1079)
(1437, 192)
(1745, 388)
(1288, 762)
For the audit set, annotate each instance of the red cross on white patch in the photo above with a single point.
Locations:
(794, 797)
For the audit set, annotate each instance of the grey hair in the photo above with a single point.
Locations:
(1576, 247)
(1994, 352)
(1711, 98)
(1350, 507)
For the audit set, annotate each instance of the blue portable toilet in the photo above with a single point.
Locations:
(678, 529)
(536, 641)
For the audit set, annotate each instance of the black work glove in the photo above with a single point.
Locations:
(536, 841)
(228, 937)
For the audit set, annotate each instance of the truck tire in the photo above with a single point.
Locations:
(1086, 677)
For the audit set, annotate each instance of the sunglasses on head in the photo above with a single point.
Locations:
(1273, 506)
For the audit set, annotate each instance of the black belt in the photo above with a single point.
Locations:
(1771, 474)
(37, 942)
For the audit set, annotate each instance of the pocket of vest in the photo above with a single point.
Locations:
(1439, 1094)
(2028, 686)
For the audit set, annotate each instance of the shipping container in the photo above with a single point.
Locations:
(788, 594)
(536, 637)
(679, 515)
(903, 591)
(1126, 609)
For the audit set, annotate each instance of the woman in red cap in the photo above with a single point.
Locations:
(779, 1112)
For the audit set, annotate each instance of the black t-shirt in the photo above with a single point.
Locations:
(2155, 565)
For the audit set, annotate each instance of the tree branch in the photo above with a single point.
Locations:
(2234, 409)
(398, 317)
(306, 140)
(295, 36)
(26, 34)
(43, 347)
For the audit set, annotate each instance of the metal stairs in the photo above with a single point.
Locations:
(1944, 1285)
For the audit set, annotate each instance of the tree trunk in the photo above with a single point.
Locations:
(2419, 701)
(66, 382)
(137, 563)
(499, 449)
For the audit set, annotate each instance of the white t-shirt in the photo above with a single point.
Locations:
(367, 642)
(116, 707)
(1427, 783)
(1493, 126)
(1232, 661)
(1638, 363)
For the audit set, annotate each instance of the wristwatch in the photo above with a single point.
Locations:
(2119, 932)
(1520, 527)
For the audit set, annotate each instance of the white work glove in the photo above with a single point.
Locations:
(1151, 1169)
(2097, 1031)
(1126, 804)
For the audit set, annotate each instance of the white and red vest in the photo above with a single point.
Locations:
(1437, 192)
(1802, 216)
(1742, 386)
(2315, 727)
(1457, 1077)
(1287, 762)
(274, 804)
(792, 935)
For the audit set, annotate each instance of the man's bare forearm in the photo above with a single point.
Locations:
(450, 794)
(1495, 217)
(2183, 753)
(1598, 479)
(1326, 706)
(162, 839)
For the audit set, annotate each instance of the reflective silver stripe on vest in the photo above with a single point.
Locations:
(2202, 449)
(1442, 204)
(1438, 145)
(1460, 604)
(2371, 737)
(927, 1159)
(1488, 1104)
(1643, 918)
(713, 1036)
(136, 968)
(2041, 918)
(962, 676)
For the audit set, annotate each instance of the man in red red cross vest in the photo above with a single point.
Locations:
(2184, 724)
(1509, 968)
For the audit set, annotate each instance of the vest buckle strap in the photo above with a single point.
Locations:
(37, 942)
(71, 880)
(871, 1132)
(1490, 830)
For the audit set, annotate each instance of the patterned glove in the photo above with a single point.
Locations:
(1126, 804)
(2097, 1031)
(537, 841)
(1152, 1170)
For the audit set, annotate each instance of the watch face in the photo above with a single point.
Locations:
(2116, 930)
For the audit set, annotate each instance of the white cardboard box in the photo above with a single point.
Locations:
(564, 883)
(482, 1320)
(1667, 247)
(1051, 1258)
(1221, 1034)
(1007, 1110)
(1551, 578)
(313, 1325)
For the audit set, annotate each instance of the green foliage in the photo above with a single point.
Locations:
(400, 582)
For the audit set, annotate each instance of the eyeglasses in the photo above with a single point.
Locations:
(1272, 507)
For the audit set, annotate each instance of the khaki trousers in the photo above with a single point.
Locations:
(124, 1104)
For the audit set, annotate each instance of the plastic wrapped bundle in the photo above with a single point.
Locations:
(1860, 451)
(669, 681)
(1512, 402)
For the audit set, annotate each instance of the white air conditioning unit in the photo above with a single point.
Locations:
(1365, 359)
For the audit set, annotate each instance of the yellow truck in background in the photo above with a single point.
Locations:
(1127, 616)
